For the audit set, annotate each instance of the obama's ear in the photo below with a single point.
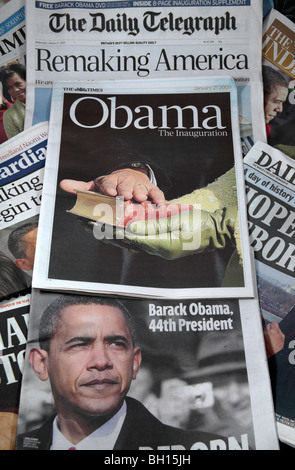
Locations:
(38, 359)
(136, 361)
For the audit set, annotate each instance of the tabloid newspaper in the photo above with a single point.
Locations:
(270, 180)
(195, 244)
(202, 370)
(22, 161)
(146, 39)
(14, 320)
(12, 53)
(278, 54)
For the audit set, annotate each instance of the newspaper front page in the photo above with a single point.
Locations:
(22, 161)
(193, 244)
(147, 39)
(278, 54)
(270, 184)
(199, 368)
(12, 60)
(14, 321)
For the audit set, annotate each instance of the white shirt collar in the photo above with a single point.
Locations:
(103, 438)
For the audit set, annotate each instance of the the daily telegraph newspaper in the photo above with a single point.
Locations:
(278, 54)
(22, 161)
(12, 53)
(14, 320)
(270, 179)
(137, 39)
(186, 133)
(198, 366)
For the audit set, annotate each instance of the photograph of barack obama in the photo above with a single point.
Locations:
(87, 350)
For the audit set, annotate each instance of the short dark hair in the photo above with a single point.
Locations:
(50, 320)
(9, 70)
(12, 279)
(17, 246)
(272, 78)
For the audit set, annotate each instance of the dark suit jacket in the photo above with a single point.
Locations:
(286, 7)
(141, 430)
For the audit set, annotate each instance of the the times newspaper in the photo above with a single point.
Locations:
(202, 371)
(278, 54)
(194, 244)
(146, 39)
(22, 161)
(270, 184)
(12, 52)
(14, 322)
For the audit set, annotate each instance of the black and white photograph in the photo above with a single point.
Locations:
(173, 372)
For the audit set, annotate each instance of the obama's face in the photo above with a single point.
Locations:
(91, 362)
(273, 102)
